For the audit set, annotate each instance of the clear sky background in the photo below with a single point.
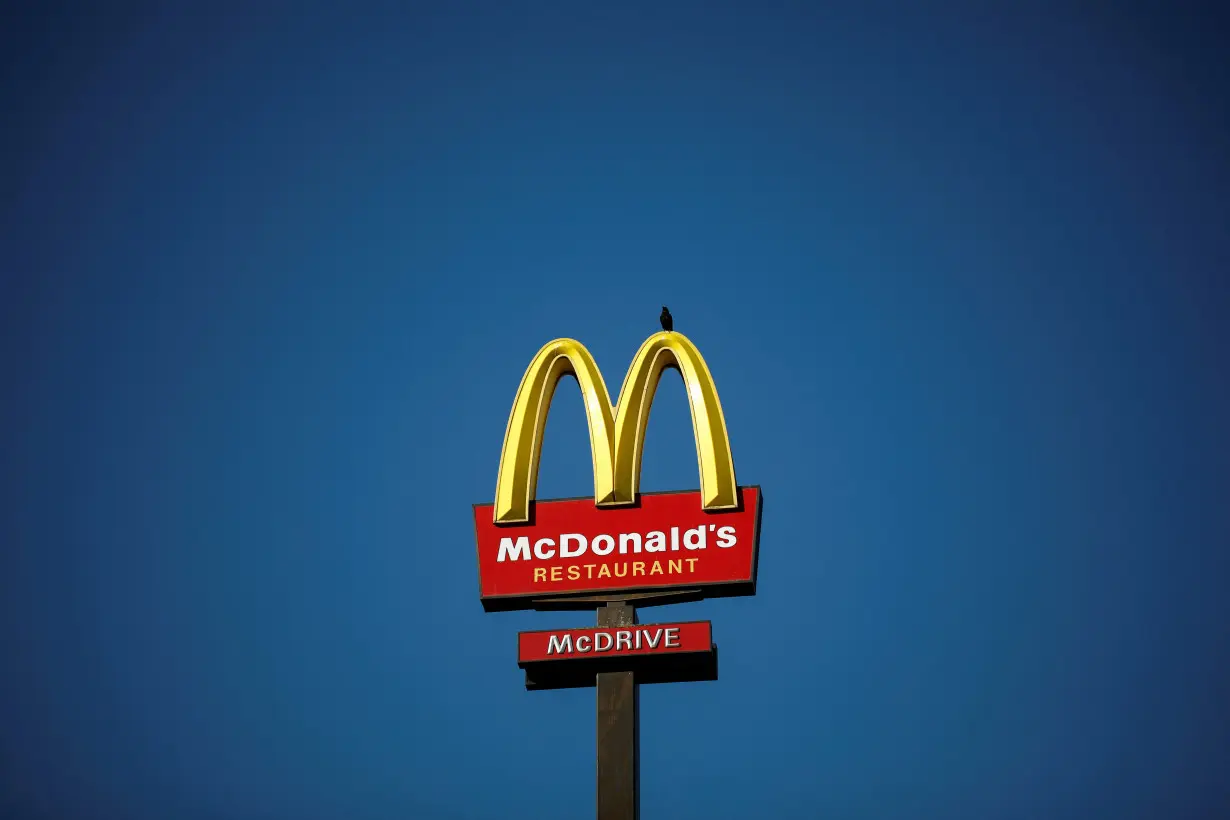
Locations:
(269, 280)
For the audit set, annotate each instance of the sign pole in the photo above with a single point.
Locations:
(619, 754)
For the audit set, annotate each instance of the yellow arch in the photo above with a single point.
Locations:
(616, 433)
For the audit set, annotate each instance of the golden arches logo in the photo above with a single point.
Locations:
(616, 431)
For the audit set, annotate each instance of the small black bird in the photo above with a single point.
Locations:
(668, 321)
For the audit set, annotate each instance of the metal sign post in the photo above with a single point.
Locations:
(619, 723)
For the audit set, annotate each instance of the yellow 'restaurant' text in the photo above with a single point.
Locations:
(682, 566)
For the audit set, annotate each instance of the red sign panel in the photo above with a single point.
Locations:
(614, 641)
(571, 547)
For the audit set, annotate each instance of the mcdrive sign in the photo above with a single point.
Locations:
(621, 540)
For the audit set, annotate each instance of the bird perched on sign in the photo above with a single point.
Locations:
(668, 321)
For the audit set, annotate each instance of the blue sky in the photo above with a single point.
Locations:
(268, 282)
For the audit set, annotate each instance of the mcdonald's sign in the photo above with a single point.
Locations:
(620, 541)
